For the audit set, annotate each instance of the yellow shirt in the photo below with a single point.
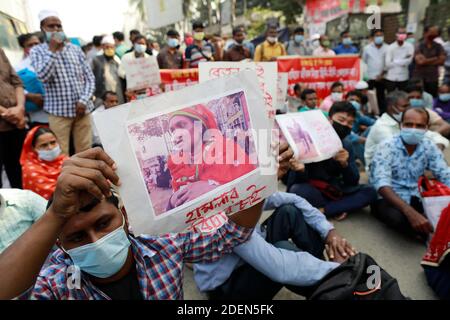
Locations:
(266, 51)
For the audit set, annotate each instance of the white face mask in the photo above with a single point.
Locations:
(336, 96)
(49, 155)
(272, 39)
(140, 48)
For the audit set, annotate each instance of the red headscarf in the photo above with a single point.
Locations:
(38, 175)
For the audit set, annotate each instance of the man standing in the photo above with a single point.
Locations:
(106, 71)
(429, 56)
(119, 39)
(12, 121)
(237, 51)
(68, 83)
(270, 49)
(297, 46)
(346, 46)
(171, 57)
(200, 50)
(374, 56)
(398, 58)
(324, 49)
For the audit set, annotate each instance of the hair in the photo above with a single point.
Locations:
(393, 97)
(342, 106)
(238, 29)
(414, 87)
(97, 40)
(336, 84)
(428, 27)
(197, 25)
(134, 32)
(299, 29)
(355, 93)
(24, 38)
(344, 32)
(119, 36)
(172, 33)
(114, 200)
(372, 33)
(307, 92)
(139, 37)
(39, 132)
(105, 95)
(418, 110)
(271, 26)
(297, 86)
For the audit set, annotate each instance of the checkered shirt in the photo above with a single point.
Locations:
(159, 264)
(66, 76)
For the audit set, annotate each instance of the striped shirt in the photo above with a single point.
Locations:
(67, 78)
(194, 54)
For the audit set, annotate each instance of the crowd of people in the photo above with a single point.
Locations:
(394, 126)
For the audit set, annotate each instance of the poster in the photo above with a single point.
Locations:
(282, 89)
(186, 155)
(175, 79)
(319, 73)
(142, 73)
(161, 13)
(433, 207)
(310, 135)
(265, 71)
(320, 11)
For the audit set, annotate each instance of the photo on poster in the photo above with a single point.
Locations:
(185, 154)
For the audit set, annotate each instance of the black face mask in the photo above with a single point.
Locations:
(342, 131)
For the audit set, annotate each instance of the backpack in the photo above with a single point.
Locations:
(359, 278)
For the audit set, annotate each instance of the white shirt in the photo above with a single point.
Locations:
(322, 52)
(398, 59)
(386, 128)
(374, 58)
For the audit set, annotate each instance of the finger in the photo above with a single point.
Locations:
(99, 165)
(78, 183)
(330, 251)
(182, 199)
(93, 175)
(341, 248)
(96, 154)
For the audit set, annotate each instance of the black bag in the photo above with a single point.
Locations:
(350, 281)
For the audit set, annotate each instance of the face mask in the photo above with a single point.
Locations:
(347, 41)
(417, 103)
(140, 48)
(356, 105)
(109, 52)
(272, 39)
(411, 40)
(398, 117)
(173, 43)
(444, 97)
(401, 37)
(336, 96)
(61, 36)
(341, 130)
(326, 44)
(49, 155)
(199, 36)
(378, 40)
(412, 136)
(105, 257)
(299, 38)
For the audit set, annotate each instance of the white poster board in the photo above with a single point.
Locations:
(433, 207)
(267, 73)
(161, 13)
(282, 89)
(310, 135)
(141, 73)
(163, 193)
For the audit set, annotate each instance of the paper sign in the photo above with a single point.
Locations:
(186, 155)
(266, 72)
(433, 207)
(142, 73)
(282, 89)
(310, 135)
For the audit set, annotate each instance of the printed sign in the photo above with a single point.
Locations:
(141, 73)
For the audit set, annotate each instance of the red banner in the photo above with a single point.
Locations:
(174, 79)
(319, 11)
(320, 73)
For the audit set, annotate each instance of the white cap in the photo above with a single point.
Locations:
(108, 40)
(315, 36)
(362, 85)
(44, 14)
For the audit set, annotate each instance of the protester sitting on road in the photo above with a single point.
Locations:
(442, 102)
(333, 185)
(395, 171)
(337, 95)
(309, 97)
(295, 101)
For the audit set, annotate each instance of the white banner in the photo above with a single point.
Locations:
(161, 13)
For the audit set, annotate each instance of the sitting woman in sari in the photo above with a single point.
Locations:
(41, 161)
(203, 158)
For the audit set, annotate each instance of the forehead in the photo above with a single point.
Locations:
(45, 137)
(51, 21)
(178, 118)
(342, 115)
(414, 116)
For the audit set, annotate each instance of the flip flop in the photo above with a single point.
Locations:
(341, 217)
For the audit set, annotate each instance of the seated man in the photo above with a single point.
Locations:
(92, 233)
(259, 268)
(437, 124)
(395, 170)
(442, 103)
(309, 97)
(333, 185)
(388, 126)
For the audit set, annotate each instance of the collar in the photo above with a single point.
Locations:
(400, 145)
(388, 120)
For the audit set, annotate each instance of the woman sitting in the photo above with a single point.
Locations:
(41, 161)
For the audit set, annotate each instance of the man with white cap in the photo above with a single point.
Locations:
(68, 83)
(106, 71)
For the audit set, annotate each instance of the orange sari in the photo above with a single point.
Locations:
(38, 175)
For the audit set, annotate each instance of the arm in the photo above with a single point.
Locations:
(350, 172)
(44, 63)
(443, 127)
(437, 164)
(89, 78)
(258, 54)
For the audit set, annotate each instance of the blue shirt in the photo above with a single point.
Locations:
(341, 49)
(275, 263)
(393, 167)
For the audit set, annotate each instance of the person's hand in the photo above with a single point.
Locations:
(362, 140)
(338, 249)
(379, 78)
(285, 154)
(80, 110)
(190, 192)
(55, 44)
(15, 115)
(296, 165)
(84, 177)
(342, 158)
(418, 222)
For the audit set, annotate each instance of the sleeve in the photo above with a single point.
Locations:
(364, 55)
(380, 167)
(13, 77)
(40, 291)
(437, 164)
(160, 61)
(188, 53)
(281, 265)
(350, 174)
(437, 138)
(258, 53)
(44, 63)
(89, 86)
(208, 247)
(36, 205)
(283, 50)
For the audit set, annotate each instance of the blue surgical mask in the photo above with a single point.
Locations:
(444, 97)
(173, 43)
(412, 136)
(49, 155)
(140, 48)
(104, 257)
(347, 41)
(59, 35)
(356, 105)
(411, 40)
(299, 38)
(378, 40)
(417, 103)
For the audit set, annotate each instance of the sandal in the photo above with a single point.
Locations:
(341, 217)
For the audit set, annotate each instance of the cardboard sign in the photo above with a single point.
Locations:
(282, 89)
(265, 71)
(310, 135)
(186, 155)
(142, 73)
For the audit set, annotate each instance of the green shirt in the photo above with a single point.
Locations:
(19, 209)
(121, 49)
(305, 108)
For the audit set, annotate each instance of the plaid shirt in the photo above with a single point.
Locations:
(159, 264)
(67, 78)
